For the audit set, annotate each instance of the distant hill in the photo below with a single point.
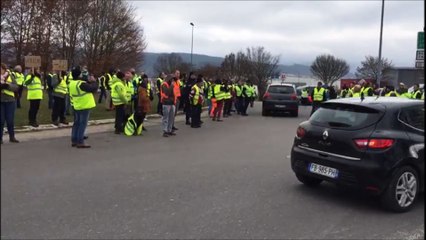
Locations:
(200, 60)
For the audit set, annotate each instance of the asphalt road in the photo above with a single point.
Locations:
(225, 180)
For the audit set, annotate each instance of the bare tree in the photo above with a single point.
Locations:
(329, 69)
(370, 68)
(169, 63)
(235, 66)
(17, 23)
(260, 65)
(209, 70)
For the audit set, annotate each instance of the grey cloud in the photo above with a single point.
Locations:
(296, 30)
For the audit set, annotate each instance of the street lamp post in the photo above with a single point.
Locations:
(379, 75)
(192, 41)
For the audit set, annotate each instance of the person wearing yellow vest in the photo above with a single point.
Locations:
(196, 99)
(19, 78)
(168, 104)
(109, 79)
(158, 84)
(60, 90)
(219, 95)
(390, 92)
(239, 101)
(120, 99)
(356, 92)
(403, 91)
(366, 89)
(253, 94)
(34, 95)
(318, 96)
(247, 96)
(417, 94)
(135, 80)
(350, 90)
(185, 96)
(81, 93)
(227, 98)
(8, 89)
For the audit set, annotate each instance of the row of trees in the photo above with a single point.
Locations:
(97, 33)
(258, 65)
(328, 69)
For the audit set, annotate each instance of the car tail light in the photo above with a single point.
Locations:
(266, 95)
(374, 143)
(293, 97)
(300, 133)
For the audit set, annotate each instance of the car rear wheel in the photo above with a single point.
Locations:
(264, 112)
(295, 113)
(402, 190)
(308, 181)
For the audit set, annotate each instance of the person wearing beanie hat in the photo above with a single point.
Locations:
(82, 99)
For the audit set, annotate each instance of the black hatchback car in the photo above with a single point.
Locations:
(280, 98)
(376, 144)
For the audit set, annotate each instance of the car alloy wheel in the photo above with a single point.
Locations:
(402, 190)
(406, 189)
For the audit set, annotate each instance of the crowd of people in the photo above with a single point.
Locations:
(129, 94)
(361, 89)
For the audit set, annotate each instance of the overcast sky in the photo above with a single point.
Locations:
(298, 31)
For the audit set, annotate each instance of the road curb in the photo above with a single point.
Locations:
(48, 127)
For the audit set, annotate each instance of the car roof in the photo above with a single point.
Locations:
(379, 102)
(281, 84)
(306, 86)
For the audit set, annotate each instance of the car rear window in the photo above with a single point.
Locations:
(281, 89)
(345, 116)
(413, 116)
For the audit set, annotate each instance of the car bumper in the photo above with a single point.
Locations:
(280, 106)
(368, 175)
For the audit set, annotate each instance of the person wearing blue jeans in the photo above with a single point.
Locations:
(8, 88)
(81, 118)
(81, 93)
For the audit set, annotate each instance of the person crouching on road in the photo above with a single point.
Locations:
(8, 89)
(81, 93)
(119, 100)
(168, 104)
(196, 99)
(134, 124)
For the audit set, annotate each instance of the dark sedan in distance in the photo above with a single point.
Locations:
(280, 98)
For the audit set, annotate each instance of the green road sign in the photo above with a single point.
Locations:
(421, 40)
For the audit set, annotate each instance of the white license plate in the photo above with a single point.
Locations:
(323, 170)
(280, 106)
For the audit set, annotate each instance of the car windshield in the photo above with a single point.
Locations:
(281, 89)
(345, 116)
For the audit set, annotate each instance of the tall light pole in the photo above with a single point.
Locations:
(379, 75)
(192, 41)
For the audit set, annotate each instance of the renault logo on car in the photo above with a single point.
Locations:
(325, 135)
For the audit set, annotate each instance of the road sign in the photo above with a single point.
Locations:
(421, 40)
(420, 54)
(32, 61)
(420, 64)
(282, 76)
(59, 65)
